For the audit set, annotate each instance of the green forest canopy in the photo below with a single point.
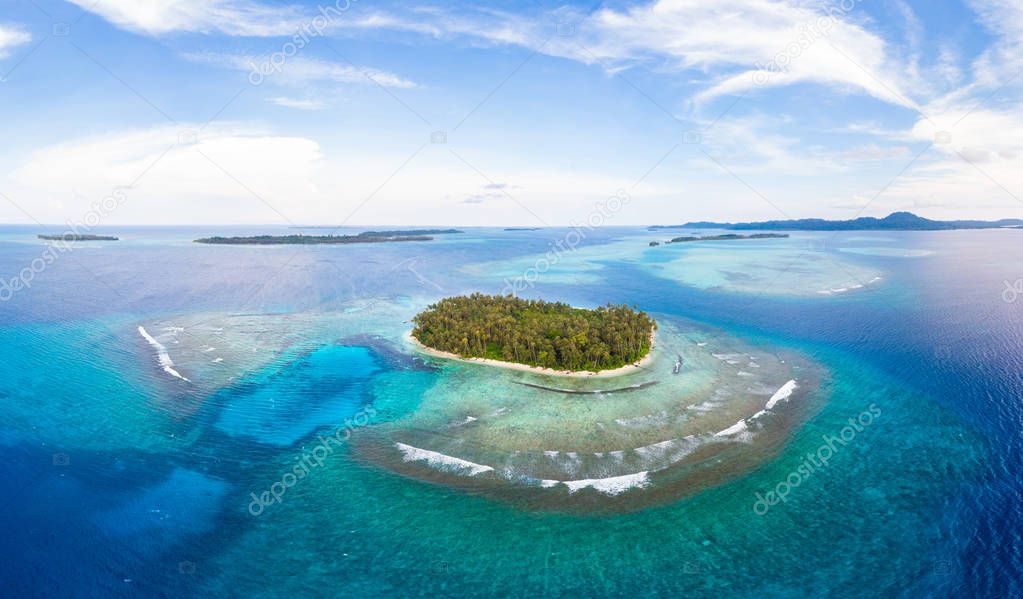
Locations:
(535, 332)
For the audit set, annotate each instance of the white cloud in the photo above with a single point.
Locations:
(708, 49)
(492, 26)
(243, 174)
(734, 38)
(179, 180)
(300, 70)
(754, 144)
(1003, 60)
(1002, 17)
(298, 103)
(974, 168)
(787, 41)
(11, 36)
(230, 17)
(746, 43)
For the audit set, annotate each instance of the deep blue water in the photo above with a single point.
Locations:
(119, 483)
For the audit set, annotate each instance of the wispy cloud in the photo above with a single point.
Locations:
(298, 103)
(1004, 18)
(300, 70)
(739, 39)
(228, 17)
(489, 192)
(975, 163)
(733, 40)
(479, 198)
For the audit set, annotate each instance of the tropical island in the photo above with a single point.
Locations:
(728, 237)
(896, 221)
(509, 331)
(77, 237)
(365, 237)
(408, 232)
(387, 233)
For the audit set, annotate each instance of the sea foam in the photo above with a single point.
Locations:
(735, 429)
(614, 485)
(161, 354)
(436, 459)
(783, 393)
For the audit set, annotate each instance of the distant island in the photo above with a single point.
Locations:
(522, 229)
(535, 333)
(728, 237)
(897, 221)
(77, 237)
(410, 232)
(366, 237)
(400, 232)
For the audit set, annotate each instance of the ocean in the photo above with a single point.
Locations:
(235, 448)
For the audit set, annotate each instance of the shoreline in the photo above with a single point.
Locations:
(623, 370)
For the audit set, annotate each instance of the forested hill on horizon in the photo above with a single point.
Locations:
(896, 221)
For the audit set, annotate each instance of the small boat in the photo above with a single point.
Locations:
(678, 365)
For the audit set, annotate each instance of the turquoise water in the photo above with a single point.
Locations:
(294, 397)
(438, 541)
(128, 481)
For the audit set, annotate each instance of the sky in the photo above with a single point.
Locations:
(363, 112)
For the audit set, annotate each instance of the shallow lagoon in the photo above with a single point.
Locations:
(799, 266)
(514, 432)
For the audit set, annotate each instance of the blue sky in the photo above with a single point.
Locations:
(508, 113)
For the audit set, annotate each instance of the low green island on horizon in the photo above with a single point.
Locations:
(76, 237)
(896, 221)
(364, 237)
(727, 237)
(536, 333)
